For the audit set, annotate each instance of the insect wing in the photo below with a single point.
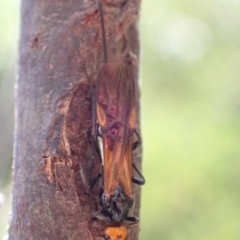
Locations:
(126, 174)
(116, 117)
(115, 94)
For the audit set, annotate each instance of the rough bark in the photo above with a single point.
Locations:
(53, 156)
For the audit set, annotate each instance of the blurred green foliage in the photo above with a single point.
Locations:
(8, 41)
(190, 117)
(9, 28)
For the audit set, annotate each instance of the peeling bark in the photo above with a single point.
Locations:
(53, 156)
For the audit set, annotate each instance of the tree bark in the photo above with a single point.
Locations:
(54, 159)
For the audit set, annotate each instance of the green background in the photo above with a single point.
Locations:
(190, 70)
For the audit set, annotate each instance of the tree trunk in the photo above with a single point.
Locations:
(61, 43)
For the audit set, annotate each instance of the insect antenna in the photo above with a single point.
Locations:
(103, 33)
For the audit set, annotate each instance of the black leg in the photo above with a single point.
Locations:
(137, 143)
(139, 181)
(94, 180)
(132, 220)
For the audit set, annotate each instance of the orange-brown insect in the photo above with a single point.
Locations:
(116, 117)
(115, 233)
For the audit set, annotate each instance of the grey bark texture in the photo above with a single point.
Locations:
(61, 41)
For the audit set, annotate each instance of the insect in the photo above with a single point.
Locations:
(115, 233)
(115, 110)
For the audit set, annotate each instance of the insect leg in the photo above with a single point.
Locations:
(94, 180)
(94, 132)
(139, 181)
(137, 143)
(132, 220)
